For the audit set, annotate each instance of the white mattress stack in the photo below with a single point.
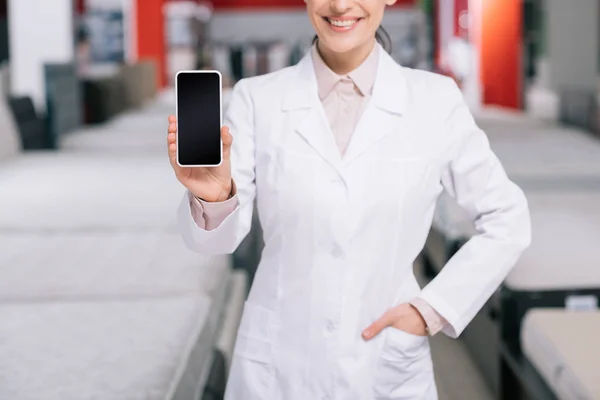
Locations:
(566, 233)
(564, 252)
(451, 219)
(559, 170)
(40, 266)
(564, 346)
(530, 148)
(99, 298)
(93, 191)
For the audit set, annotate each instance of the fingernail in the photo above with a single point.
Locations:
(367, 334)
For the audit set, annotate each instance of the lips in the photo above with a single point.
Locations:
(345, 23)
(342, 22)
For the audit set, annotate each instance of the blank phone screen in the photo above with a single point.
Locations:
(198, 118)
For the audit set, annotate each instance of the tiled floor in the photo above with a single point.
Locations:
(457, 376)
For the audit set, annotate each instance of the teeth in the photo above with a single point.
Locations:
(345, 23)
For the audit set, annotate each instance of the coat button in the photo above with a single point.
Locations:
(330, 326)
(336, 252)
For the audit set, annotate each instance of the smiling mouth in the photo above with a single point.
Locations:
(342, 23)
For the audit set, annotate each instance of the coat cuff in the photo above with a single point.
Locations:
(454, 323)
(435, 322)
(211, 214)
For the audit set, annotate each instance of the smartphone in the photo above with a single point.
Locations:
(199, 118)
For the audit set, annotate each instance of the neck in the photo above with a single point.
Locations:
(344, 63)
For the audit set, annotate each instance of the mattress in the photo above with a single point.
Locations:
(538, 156)
(564, 346)
(451, 219)
(147, 135)
(108, 315)
(564, 251)
(532, 148)
(83, 192)
(139, 349)
(558, 156)
(101, 265)
(99, 297)
(515, 123)
(564, 248)
(135, 132)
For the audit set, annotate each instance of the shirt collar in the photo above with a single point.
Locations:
(363, 77)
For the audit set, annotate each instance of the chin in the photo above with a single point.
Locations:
(343, 42)
(340, 45)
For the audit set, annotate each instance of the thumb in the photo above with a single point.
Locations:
(376, 327)
(227, 141)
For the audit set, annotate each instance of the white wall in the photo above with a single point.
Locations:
(130, 28)
(572, 28)
(40, 31)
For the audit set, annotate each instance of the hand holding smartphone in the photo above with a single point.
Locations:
(199, 118)
(199, 148)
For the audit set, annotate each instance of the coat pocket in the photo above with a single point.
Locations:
(251, 373)
(404, 370)
(402, 177)
(414, 174)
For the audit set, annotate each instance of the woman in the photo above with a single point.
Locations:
(346, 154)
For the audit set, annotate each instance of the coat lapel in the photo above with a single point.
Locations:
(310, 120)
(387, 104)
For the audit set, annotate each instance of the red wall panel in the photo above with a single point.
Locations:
(150, 33)
(233, 4)
(80, 6)
(501, 52)
(460, 6)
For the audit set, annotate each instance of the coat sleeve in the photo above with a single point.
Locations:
(225, 238)
(476, 179)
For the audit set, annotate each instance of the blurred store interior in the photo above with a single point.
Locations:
(100, 298)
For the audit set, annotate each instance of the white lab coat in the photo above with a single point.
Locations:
(341, 233)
